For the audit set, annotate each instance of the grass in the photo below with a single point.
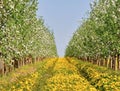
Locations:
(23, 71)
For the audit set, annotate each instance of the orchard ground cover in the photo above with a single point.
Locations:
(61, 74)
(102, 78)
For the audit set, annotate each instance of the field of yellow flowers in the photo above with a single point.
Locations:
(61, 74)
(102, 78)
(25, 78)
(66, 77)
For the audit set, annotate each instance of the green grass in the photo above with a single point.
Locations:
(22, 71)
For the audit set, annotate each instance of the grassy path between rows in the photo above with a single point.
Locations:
(44, 74)
(61, 74)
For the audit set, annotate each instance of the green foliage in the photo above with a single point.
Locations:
(21, 33)
(98, 36)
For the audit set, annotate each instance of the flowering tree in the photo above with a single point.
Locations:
(22, 34)
(98, 38)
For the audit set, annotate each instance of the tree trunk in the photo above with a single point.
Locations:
(99, 62)
(104, 62)
(2, 64)
(108, 62)
(119, 62)
(16, 65)
(111, 61)
(116, 63)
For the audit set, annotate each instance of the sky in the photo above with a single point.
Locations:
(63, 17)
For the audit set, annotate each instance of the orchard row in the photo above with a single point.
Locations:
(98, 38)
(23, 36)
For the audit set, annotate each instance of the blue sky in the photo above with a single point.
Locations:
(63, 17)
